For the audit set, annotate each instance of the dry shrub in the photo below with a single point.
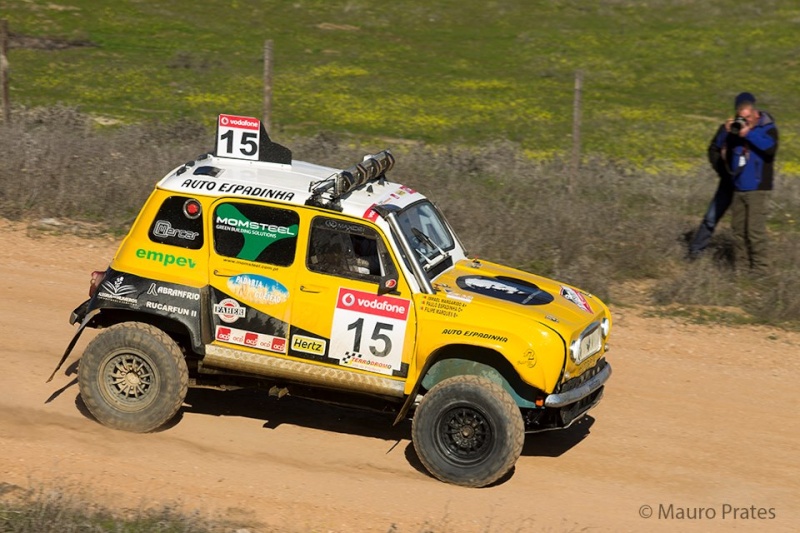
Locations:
(605, 224)
(58, 163)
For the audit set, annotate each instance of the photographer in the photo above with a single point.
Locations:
(719, 203)
(742, 152)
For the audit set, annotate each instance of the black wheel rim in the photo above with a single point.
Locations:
(464, 435)
(128, 380)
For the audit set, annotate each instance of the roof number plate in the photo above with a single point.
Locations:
(238, 137)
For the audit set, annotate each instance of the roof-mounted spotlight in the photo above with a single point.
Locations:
(326, 193)
(372, 167)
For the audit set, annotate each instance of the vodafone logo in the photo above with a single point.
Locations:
(364, 302)
(233, 121)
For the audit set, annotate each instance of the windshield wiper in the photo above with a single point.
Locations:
(432, 245)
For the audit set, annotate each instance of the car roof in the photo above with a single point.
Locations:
(220, 177)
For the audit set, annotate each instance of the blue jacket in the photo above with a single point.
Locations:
(750, 159)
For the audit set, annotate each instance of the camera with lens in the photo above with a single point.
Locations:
(737, 125)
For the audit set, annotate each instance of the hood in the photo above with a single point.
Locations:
(508, 290)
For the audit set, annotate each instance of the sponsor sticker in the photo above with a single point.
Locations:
(233, 121)
(168, 308)
(167, 260)
(252, 339)
(577, 298)
(357, 361)
(393, 197)
(157, 290)
(238, 137)
(446, 307)
(257, 236)
(233, 188)
(164, 229)
(314, 346)
(257, 289)
(229, 310)
(505, 288)
(368, 331)
(119, 291)
(364, 302)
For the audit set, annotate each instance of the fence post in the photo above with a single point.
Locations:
(576, 127)
(266, 117)
(4, 71)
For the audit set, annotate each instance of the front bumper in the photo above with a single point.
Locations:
(582, 390)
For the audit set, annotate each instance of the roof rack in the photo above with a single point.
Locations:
(326, 193)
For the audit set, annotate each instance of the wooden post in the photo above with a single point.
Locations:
(576, 126)
(266, 117)
(4, 71)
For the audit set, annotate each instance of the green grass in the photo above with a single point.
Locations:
(658, 75)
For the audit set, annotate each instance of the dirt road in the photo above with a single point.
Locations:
(693, 418)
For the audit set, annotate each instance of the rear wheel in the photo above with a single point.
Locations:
(133, 377)
(468, 431)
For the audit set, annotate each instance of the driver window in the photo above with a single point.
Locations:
(346, 249)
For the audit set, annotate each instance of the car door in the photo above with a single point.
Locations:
(251, 270)
(337, 314)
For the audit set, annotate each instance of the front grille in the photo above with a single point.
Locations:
(572, 412)
(580, 380)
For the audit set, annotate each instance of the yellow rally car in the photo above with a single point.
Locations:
(246, 268)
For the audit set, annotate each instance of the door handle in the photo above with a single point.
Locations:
(311, 288)
(224, 273)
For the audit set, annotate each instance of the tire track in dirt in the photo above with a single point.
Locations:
(693, 417)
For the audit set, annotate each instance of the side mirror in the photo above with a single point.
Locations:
(387, 284)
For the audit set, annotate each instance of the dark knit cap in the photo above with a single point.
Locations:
(742, 98)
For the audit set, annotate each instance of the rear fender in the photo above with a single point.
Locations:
(86, 318)
(100, 317)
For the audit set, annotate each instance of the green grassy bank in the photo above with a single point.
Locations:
(658, 74)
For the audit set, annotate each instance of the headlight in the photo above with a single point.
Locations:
(575, 350)
(605, 326)
(589, 343)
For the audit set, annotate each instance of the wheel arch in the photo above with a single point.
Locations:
(187, 335)
(466, 359)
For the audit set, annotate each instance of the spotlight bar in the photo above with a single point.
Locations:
(373, 166)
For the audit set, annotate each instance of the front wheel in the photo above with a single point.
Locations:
(468, 431)
(133, 377)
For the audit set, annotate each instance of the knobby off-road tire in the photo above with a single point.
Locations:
(133, 377)
(468, 431)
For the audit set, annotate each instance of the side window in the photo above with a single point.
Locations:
(256, 233)
(348, 250)
(179, 222)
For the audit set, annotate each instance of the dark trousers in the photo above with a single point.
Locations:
(749, 224)
(719, 204)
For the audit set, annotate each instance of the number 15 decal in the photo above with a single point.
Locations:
(238, 137)
(368, 331)
(358, 326)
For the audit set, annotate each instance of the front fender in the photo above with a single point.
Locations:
(447, 368)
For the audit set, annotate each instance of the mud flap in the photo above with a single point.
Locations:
(72, 343)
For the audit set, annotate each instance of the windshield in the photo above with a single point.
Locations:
(427, 233)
